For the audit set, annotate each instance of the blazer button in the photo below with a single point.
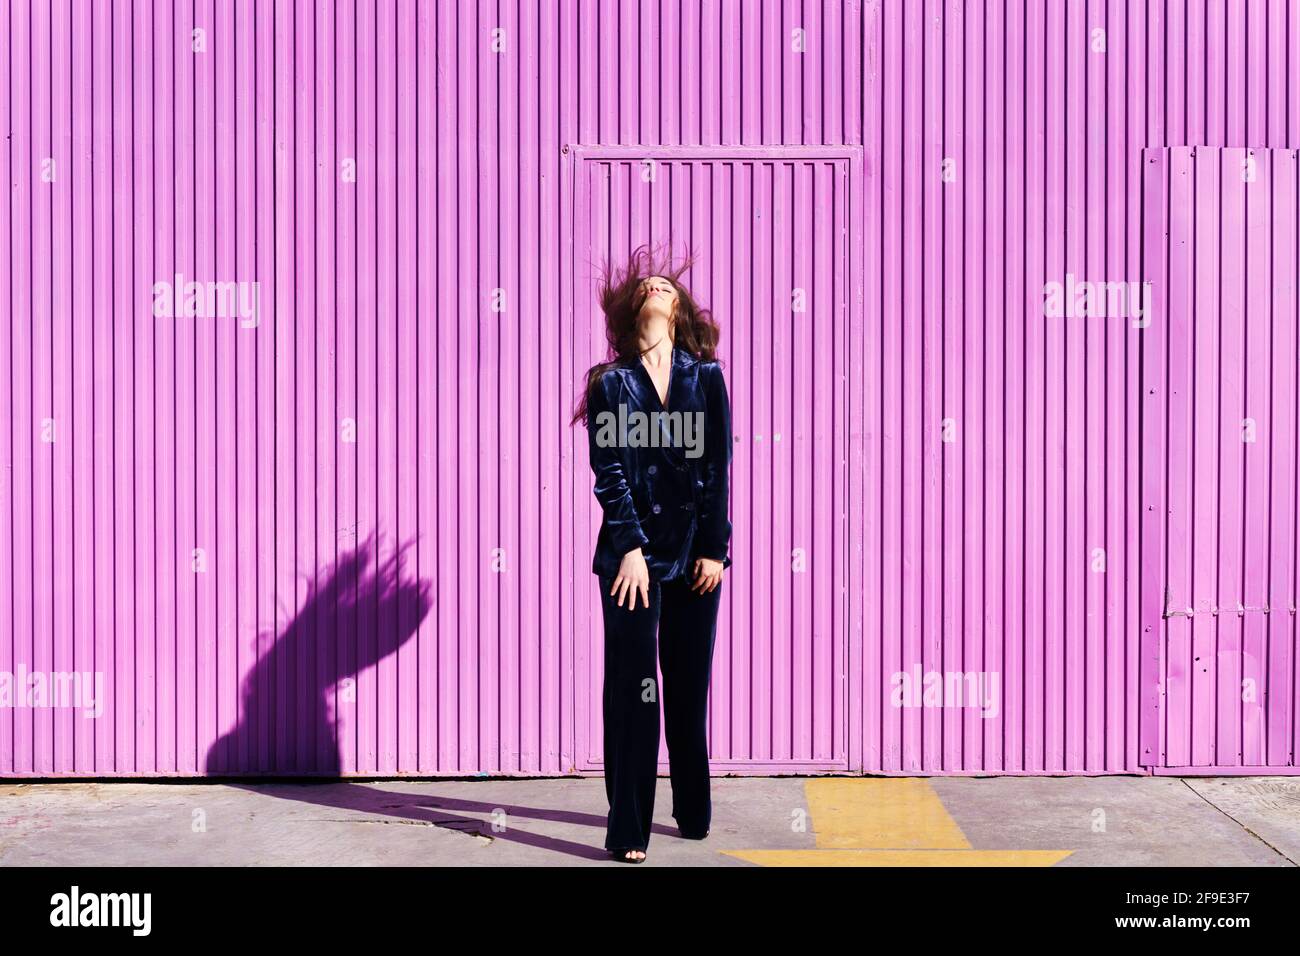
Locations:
(656, 509)
(689, 506)
(653, 469)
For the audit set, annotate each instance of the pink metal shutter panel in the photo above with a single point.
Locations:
(1219, 469)
(377, 306)
(763, 224)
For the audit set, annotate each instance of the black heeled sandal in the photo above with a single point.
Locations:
(622, 855)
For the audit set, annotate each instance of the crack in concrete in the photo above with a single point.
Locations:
(467, 827)
(1188, 785)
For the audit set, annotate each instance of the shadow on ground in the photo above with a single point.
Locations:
(383, 607)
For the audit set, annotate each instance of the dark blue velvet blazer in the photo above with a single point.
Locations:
(671, 500)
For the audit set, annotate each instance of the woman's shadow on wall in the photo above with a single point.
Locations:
(355, 614)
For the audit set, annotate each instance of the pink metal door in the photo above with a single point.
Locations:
(774, 233)
(1219, 494)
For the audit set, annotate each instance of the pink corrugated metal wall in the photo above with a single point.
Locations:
(211, 511)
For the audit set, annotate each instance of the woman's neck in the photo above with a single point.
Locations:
(656, 341)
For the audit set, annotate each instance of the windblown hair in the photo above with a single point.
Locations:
(621, 298)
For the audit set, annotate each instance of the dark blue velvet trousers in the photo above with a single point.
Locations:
(682, 624)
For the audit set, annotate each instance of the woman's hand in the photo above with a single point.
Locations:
(633, 576)
(708, 575)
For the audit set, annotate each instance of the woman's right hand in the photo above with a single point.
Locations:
(633, 576)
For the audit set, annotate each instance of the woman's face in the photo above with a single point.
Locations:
(660, 298)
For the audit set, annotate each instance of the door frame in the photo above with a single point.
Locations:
(1168, 207)
(580, 710)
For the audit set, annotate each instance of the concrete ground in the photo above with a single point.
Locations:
(770, 821)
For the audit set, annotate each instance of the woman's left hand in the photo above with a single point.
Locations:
(708, 575)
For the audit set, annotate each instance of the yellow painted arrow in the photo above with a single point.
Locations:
(887, 821)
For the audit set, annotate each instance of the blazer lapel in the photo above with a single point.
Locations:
(683, 378)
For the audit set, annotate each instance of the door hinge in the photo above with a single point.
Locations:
(1215, 610)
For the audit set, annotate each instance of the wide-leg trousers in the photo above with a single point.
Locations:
(685, 623)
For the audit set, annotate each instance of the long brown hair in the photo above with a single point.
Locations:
(621, 297)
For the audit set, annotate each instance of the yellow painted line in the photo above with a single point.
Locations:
(881, 813)
(901, 857)
(887, 821)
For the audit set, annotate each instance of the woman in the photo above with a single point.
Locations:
(659, 431)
